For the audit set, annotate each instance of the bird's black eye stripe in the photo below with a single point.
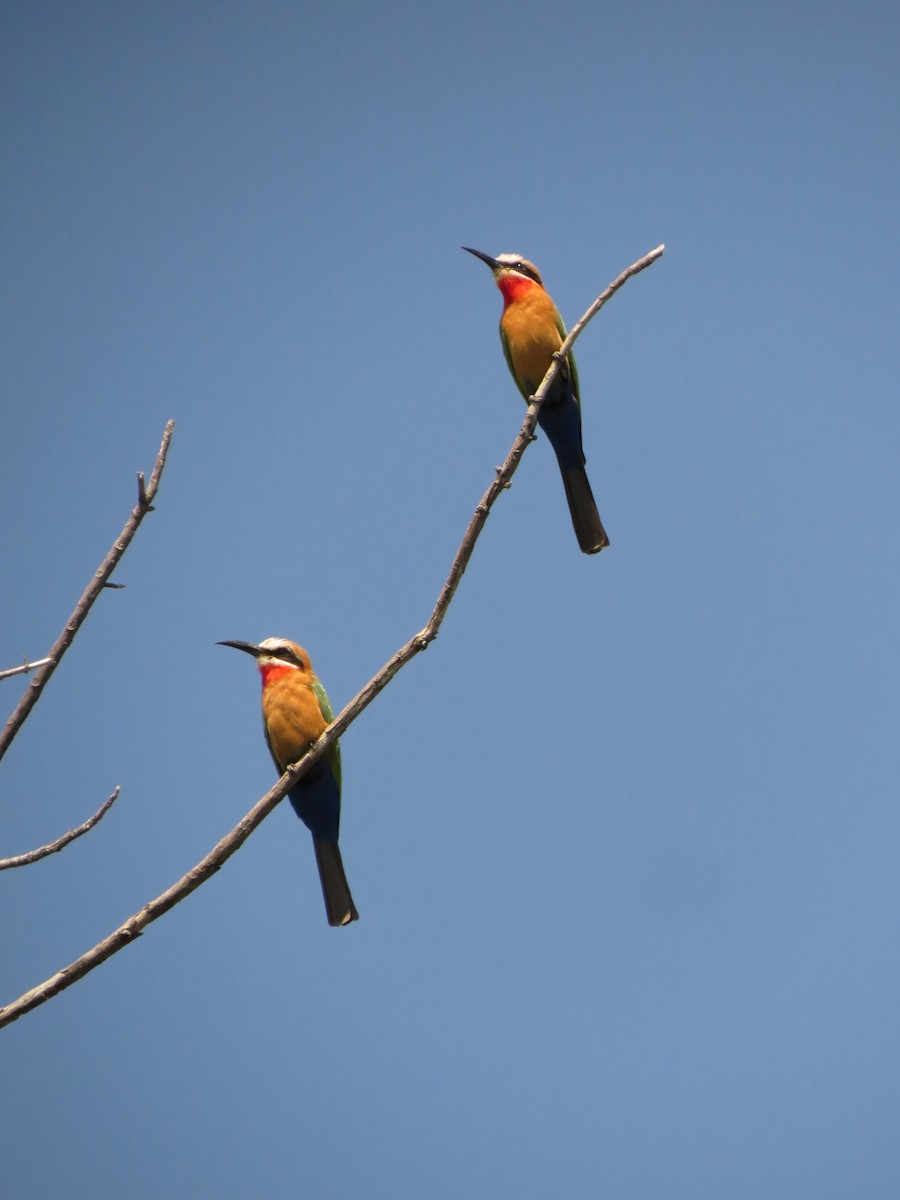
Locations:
(524, 269)
(287, 655)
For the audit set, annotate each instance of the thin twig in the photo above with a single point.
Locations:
(223, 850)
(32, 856)
(90, 594)
(24, 668)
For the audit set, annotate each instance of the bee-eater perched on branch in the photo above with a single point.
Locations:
(296, 713)
(531, 331)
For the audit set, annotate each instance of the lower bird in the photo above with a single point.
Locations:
(296, 713)
(532, 331)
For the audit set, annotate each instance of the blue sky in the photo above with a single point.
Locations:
(624, 841)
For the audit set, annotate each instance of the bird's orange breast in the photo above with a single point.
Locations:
(292, 715)
(530, 327)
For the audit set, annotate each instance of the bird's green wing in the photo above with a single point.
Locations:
(570, 358)
(324, 705)
(334, 754)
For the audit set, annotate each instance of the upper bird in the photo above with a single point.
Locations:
(531, 331)
(296, 713)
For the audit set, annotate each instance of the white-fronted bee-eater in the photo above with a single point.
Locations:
(531, 331)
(296, 712)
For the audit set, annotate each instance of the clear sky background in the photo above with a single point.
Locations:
(625, 841)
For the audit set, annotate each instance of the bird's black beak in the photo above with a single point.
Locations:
(248, 647)
(485, 258)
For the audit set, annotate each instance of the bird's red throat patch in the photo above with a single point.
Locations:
(514, 287)
(272, 671)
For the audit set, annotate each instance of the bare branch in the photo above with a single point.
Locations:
(232, 841)
(608, 293)
(90, 594)
(31, 856)
(24, 668)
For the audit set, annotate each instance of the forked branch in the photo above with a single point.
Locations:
(91, 592)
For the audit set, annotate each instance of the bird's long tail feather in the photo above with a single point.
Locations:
(338, 901)
(585, 518)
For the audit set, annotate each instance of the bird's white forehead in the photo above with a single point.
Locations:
(275, 643)
(509, 259)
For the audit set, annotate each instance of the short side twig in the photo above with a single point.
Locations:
(24, 668)
(90, 594)
(32, 856)
(232, 841)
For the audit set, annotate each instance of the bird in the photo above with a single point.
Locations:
(531, 331)
(296, 712)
